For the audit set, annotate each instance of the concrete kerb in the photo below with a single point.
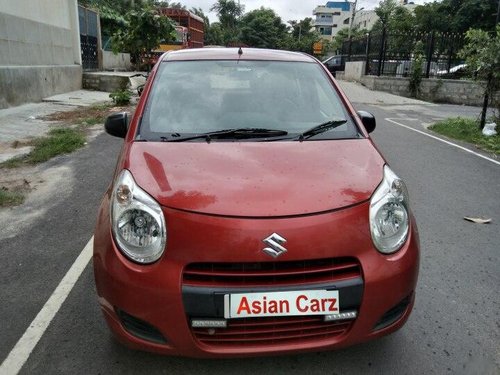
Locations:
(24, 122)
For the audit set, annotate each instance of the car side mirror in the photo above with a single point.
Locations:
(117, 124)
(368, 120)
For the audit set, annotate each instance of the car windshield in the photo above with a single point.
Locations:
(277, 98)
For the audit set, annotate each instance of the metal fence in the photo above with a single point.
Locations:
(393, 54)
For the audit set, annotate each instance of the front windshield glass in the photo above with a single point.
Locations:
(193, 97)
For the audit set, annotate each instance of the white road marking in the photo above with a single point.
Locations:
(441, 140)
(23, 348)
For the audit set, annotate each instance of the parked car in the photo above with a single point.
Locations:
(250, 213)
(456, 72)
(335, 63)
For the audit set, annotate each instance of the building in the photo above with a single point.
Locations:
(332, 17)
(365, 19)
(39, 50)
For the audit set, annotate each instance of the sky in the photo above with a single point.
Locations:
(286, 9)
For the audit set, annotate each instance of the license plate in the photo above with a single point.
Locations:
(304, 302)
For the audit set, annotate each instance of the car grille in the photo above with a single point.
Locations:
(271, 331)
(271, 273)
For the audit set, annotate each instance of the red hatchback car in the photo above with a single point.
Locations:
(250, 213)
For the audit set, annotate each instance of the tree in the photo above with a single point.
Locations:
(262, 28)
(301, 36)
(228, 12)
(430, 17)
(394, 17)
(342, 36)
(456, 16)
(215, 35)
(385, 10)
(416, 69)
(482, 56)
(146, 28)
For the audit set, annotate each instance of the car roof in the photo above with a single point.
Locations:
(232, 54)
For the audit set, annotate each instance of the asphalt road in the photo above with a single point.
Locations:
(454, 328)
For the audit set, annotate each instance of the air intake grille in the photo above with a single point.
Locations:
(271, 331)
(140, 328)
(271, 273)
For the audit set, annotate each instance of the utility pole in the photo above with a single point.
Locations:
(352, 17)
(498, 13)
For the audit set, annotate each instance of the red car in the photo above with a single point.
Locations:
(250, 213)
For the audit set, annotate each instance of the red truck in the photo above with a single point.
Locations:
(189, 29)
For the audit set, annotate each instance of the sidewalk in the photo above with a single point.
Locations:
(24, 122)
(358, 93)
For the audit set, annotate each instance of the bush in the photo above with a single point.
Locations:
(121, 97)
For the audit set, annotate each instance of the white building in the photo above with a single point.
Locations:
(365, 19)
(332, 17)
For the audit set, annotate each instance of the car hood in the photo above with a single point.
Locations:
(257, 179)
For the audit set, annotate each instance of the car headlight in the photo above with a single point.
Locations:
(389, 213)
(137, 221)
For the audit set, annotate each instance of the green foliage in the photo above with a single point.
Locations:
(145, 30)
(10, 198)
(262, 28)
(121, 97)
(215, 35)
(429, 17)
(385, 10)
(416, 69)
(395, 17)
(482, 56)
(301, 36)
(343, 35)
(456, 15)
(465, 129)
(58, 141)
(228, 12)
(111, 12)
(482, 53)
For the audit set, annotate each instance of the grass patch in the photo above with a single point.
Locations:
(58, 141)
(10, 198)
(91, 121)
(465, 129)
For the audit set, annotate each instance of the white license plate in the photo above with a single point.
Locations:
(304, 302)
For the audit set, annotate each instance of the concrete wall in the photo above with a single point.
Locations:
(435, 90)
(24, 84)
(104, 81)
(354, 70)
(120, 61)
(42, 35)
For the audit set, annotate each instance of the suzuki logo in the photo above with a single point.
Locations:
(274, 241)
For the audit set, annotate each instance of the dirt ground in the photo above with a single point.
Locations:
(79, 115)
(27, 179)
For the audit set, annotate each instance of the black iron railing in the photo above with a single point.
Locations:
(392, 54)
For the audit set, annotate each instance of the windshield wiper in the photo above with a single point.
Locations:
(329, 125)
(237, 133)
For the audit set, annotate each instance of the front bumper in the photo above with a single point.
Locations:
(156, 297)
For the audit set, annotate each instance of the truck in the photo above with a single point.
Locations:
(189, 29)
